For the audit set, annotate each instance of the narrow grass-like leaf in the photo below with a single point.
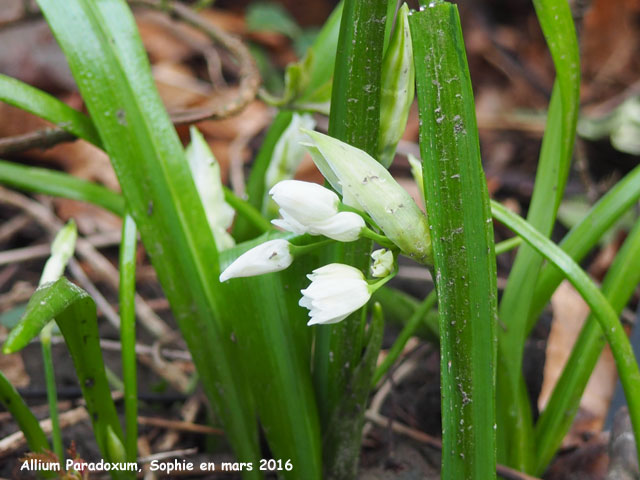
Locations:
(457, 200)
(58, 184)
(619, 284)
(114, 78)
(246, 211)
(75, 313)
(514, 411)
(47, 106)
(126, 299)
(28, 423)
(585, 235)
(606, 316)
(409, 330)
(399, 307)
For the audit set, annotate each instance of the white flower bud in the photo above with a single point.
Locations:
(310, 208)
(62, 250)
(270, 256)
(335, 292)
(382, 263)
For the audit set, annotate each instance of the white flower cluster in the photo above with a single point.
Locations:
(310, 208)
(336, 290)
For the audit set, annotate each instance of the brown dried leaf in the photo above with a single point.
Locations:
(569, 314)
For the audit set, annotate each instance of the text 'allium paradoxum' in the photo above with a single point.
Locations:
(335, 292)
(310, 208)
(367, 185)
(270, 256)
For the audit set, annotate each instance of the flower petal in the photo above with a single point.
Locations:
(343, 227)
(306, 202)
(336, 290)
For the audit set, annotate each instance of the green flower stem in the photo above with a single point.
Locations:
(297, 250)
(377, 284)
(379, 239)
(407, 332)
(126, 294)
(247, 211)
(399, 307)
(52, 392)
(346, 208)
(608, 319)
(508, 245)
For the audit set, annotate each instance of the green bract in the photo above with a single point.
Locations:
(367, 185)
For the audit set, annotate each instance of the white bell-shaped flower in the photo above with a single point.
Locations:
(270, 256)
(382, 263)
(335, 292)
(310, 208)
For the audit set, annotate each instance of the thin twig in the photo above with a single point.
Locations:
(165, 455)
(11, 443)
(99, 264)
(102, 303)
(179, 425)
(44, 138)
(247, 70)
(236, 100)
(13, 226)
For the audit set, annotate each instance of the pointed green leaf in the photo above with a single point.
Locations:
(75, 313)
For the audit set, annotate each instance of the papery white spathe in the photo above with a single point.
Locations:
(205, 171)
(310, 208)
(270, 256)
(336, 291)
(382, 263)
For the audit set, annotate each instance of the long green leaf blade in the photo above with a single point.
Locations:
(113, 75)
(514, 418)
(585, 235)
(556, 419)
(271, 332)
(47, 106)
(28, 423)
(457, 200)
(75, 313)
(610, 325)
(58, 184)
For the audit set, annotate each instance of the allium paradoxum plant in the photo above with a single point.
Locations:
(373, 205)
